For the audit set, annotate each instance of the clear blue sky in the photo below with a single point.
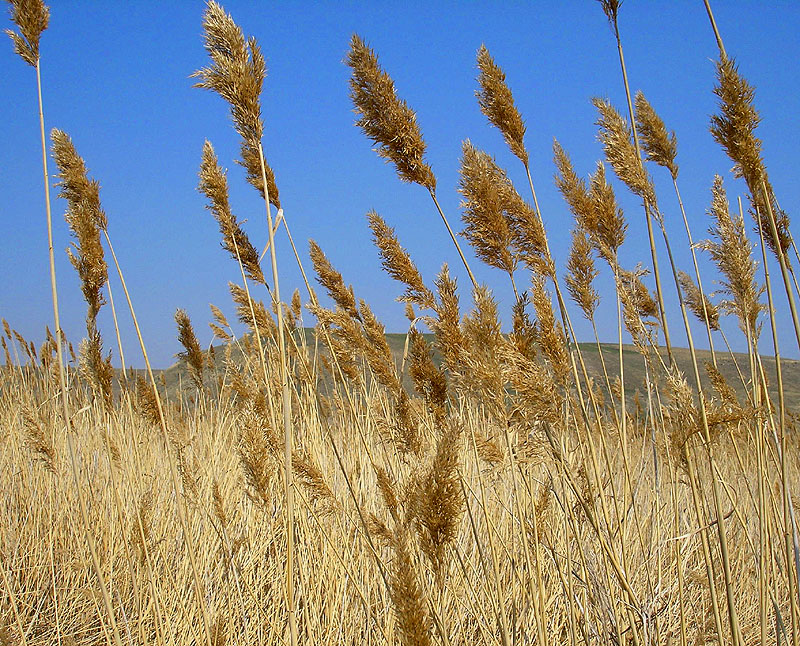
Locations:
(115, 78)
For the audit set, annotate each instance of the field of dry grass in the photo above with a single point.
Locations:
(462, 486)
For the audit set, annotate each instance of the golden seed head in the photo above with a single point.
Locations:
(497, 103)
(398, 264)
(660, 146)
(734, 129)
(193, 355)
(581, 273)
(85, 218)
(32, 18)
(731, 251)
(620, 151)
(385, 118)
(485, 187)
(214, 185)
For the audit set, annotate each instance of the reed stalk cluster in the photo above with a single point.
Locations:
(327, 482)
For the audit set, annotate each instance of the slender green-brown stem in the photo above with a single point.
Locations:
(696, 272)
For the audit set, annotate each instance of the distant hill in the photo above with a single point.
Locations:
(635, 372)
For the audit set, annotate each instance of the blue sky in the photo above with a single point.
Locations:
(115, 78)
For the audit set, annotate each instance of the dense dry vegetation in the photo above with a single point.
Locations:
(483, 487)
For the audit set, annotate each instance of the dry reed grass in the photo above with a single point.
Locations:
(480, 489)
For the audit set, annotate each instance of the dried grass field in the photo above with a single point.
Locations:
(317, 481)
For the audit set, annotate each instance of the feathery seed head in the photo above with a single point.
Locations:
(485, 187)
(386, 119)
(497, 103)
(85, 218)
(398, 264)
(615, 135)
(731, 251)
(214, 185)
(237, 73)
(660, 146)
(609, 222)
(333, 282)
(573, 188)
(193, 355)
(698, 302)
(734, 129)
(32, 18)
(581, 273)
(611, 9)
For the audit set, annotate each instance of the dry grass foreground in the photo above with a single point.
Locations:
(308, 489)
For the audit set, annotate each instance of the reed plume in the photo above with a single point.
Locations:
(385, 118)
(497, 103)
(734, 129)
(398, 264)
(86, 219)
(620, 151)
(438, 503)
(484, 186)
(731, 251)
(237, 73)
(698, 303)
(32, 18)
(333, 282)
(192, 354)
(407, 595)
(581, 273)
(214, 185)
(659, 145)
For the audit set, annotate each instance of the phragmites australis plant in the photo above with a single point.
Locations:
(484, 476)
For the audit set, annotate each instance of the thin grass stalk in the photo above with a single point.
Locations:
(696, 273)
(501, 615)
(647, 207)
(453, 238)
(116, 329)
(287, 416)
(61, 376)
(180, 503)
(13, 601)
(787, 542)
(784, 268)
(718, 38)
(721, 534)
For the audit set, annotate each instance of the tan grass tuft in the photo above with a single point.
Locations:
(398, 264)
(386, 119)
(734, 129)
(438, 502)
(698, 303)
(237, 74)
(616, 137)
(32, 18)
(731, 251)
(407, 595)
(214, 185)
(497, 103)
(192, 355)
(660, 146)
(581, 273)
(38, 439)
(485, 187)
(332, 281)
